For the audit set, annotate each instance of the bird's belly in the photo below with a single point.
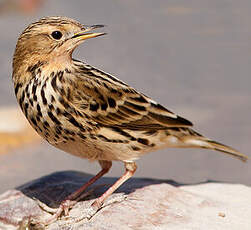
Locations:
(94, 148)
(99, 150)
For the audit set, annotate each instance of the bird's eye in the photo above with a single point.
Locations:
(56, 35)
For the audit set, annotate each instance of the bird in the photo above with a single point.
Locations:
(88, 112)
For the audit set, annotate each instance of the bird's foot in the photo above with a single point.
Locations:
(87, 212)
(63, 209)
(96, 206)
(116, 198)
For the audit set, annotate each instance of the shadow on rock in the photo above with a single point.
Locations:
(54, 188)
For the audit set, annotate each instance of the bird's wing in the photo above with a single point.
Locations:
(110, 102)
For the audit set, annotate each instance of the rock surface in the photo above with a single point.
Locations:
(149, 204)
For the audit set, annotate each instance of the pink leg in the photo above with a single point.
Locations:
(105, 165)
(130, 170)
(70, 200)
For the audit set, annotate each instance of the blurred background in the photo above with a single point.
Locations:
(192, 56)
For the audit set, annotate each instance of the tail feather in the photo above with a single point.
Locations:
(210, 144)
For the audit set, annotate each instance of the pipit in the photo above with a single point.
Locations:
(90, 113)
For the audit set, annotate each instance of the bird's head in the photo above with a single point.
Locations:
(50, 39)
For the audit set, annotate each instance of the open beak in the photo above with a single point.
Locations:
(83, 35)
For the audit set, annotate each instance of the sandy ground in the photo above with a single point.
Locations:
(192, 56)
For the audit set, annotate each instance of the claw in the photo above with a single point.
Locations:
(115, 199)
(94, 208)
(64, 207)
(44, 206)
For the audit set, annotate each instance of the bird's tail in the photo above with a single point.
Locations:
(202, 142)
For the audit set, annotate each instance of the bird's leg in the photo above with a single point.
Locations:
(130, 170)
(71, 200)
(98, 203)
(105, 165)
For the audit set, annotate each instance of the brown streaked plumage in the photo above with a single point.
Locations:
(87, 112)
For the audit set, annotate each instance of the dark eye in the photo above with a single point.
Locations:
(56, 35)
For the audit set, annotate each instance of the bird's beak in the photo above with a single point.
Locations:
(83, 35)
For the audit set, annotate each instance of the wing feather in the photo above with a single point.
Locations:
(114, 103)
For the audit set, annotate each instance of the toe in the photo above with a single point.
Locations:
(45, 207)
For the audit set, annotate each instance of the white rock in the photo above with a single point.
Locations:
(150, 205)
